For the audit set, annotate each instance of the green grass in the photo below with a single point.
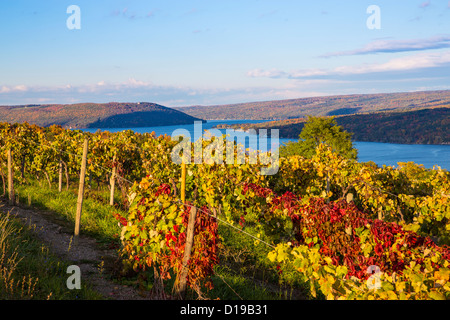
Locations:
(244, 264)
(97, 218)
(228, 285)
(29, 271)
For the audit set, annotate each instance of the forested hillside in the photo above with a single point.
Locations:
(323, 106)
(427, 126)
(95, 115)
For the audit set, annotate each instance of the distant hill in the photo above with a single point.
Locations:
(96, 115)
(426, 126)
(322, 106)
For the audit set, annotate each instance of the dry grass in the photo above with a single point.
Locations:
(12, 284)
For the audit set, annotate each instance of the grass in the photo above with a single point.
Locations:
(244, 263)
(232, 286)
(29, 271)
(97, 219)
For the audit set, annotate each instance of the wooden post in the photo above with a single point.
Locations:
(112, 181)
(10, 179)
(60, 175)
(81, 191)
(22, 168)
(328, 184)
(181, 287)
(380, 213)
(4, 183)
(349, 197)
(48, 179)
(183, 181)
(328, 188)
(67, 175)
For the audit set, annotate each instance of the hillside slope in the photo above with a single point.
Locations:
(426, 126)
(96, 115)
(323, 106)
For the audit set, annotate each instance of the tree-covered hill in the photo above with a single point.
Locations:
(426, 126)
(95, 115)
(323, 106)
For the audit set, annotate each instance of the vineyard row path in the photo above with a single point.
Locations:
(86, 254)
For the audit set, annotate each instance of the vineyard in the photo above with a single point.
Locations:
(333, 227)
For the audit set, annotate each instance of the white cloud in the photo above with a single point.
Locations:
(20, 88)
(17, 88)
(259, 73)
(5, 89)
(412, 62)
(136, 83)
(392, 46)
(131, 90)
(394, 74)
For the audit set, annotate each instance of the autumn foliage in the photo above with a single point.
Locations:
(329, 221)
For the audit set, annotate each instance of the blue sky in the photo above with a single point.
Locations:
(180, 53)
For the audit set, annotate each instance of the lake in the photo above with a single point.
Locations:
(380, 153)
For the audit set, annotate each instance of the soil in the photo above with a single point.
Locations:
(85, 252)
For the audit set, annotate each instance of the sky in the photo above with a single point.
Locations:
(210, 52)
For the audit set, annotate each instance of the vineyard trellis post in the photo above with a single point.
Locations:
(81, 191)
(182, 276)
(10, 179)
(67, 175)
(183, 181)
(182, 282)
(112, 181)
(60, 175)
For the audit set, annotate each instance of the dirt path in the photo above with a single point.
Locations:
(86, 253)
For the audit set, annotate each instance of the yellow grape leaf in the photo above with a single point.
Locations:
(348, 230)
(328, 260)
(272, 256)
(313, 289)
(153, 233)
(403, 296)
(436, 295)
(391, 295)
(442, 274)
(400, 286)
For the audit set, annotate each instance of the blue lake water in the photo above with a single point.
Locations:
(380, 153)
